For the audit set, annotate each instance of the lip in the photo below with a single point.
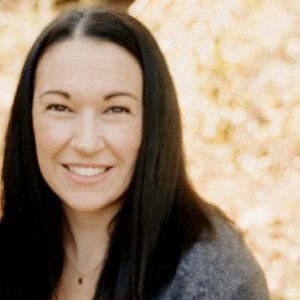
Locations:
(85, 165)
(87, 180)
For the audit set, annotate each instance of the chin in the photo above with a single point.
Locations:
(83, 204)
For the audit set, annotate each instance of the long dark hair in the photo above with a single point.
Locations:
(162, 215)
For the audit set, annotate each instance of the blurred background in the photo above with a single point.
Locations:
(236, 66)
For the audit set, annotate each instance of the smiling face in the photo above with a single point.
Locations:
(87, 121)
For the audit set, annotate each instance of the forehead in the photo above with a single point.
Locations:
(88, 59)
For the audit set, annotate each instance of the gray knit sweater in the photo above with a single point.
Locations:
(220, 269)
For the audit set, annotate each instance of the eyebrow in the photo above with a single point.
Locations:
(106, 97)
(57, 92)
(120, 94)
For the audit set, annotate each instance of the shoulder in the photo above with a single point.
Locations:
(221, 268)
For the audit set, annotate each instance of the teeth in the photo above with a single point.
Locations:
(86, 171)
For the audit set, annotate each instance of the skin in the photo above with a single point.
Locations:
(87, 122)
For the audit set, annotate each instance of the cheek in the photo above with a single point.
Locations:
(126, 140)
(48, 136)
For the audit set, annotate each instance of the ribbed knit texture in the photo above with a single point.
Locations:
(220, 269)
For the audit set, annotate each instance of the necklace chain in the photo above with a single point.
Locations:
(80, 274)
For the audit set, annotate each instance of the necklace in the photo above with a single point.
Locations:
(83, 276)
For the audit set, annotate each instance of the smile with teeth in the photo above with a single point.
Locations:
(86, 171)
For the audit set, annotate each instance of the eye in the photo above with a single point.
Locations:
(58, 107)
(118, 109)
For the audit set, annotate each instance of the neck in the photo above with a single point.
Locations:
(87, 235)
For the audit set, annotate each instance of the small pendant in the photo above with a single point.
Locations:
(80, 280)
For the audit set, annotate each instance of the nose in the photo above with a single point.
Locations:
(87, 138)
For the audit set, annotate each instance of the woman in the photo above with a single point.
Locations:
(96, 200)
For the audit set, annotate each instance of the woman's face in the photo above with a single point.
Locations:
(87, 121)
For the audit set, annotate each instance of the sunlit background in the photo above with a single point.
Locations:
(236, 65)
